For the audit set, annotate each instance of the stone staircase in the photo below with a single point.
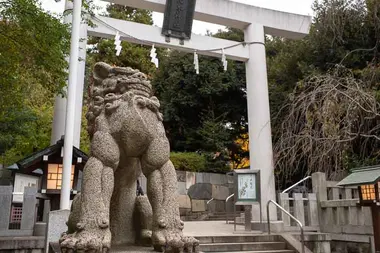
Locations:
(245, 244)
(218, 216)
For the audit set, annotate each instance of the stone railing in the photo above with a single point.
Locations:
(339, 212)
(304, 207)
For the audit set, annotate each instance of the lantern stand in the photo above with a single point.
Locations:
(368, 181)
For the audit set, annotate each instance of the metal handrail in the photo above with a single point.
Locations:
(208, 202)
(291, 216)
(228, 198)
(291, 187)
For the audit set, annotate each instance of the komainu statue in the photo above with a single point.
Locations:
(127, 137)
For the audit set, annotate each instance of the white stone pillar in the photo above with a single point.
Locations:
(80, 83)
(260, 136)
(70, 108)
(59, 119)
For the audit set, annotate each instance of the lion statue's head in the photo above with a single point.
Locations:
(111, 85)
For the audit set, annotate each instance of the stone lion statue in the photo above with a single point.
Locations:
(127, 137)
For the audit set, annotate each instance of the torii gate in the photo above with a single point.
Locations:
(256, 22)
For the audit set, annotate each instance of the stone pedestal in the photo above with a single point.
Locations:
(55, 248)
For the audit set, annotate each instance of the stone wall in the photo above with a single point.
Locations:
(195, 189)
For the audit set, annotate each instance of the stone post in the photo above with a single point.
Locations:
(260, 135)
(29, 208)
(320, 189)
(47, 209)
(248, 218)
(6, 202)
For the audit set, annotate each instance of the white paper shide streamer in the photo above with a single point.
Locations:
(196, 63)
(153, 56)
(224, 60)
(117, 43)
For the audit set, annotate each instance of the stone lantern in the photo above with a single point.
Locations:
(178, 19)
(368, 181)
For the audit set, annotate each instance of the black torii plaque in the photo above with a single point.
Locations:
(178, 19)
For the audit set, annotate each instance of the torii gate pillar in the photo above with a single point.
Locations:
(260, 136)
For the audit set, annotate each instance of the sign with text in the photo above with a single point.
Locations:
(247, 186)
(178, 19)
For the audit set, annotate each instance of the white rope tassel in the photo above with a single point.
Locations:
(117, 43)
(153, 56)
(196, 63)
(224, 60)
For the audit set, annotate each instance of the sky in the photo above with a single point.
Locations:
(293, 6)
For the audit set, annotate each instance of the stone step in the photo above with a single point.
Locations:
(247, 246)
(237, 239)
(260, 251)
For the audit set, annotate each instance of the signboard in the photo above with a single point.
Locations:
(247, 186)
(178, 19)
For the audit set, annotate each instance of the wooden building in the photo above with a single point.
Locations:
(43, 169)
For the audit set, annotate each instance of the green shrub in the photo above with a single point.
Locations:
(195, 162)
(189, 161)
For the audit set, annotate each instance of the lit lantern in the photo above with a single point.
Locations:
(368, 181)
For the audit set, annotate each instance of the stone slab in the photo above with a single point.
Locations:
(6, 201)
(181, 190)
(230, 179)
(200, 191)
(181, 176)
(56, 225)
(218, 178)
(131, 249)
(190, 179)
(39, 229)
(184, 201)
(15, 232)
(275, 226)
(29, 208)
(220, 192)
(198, 205)
(22, 243)
(54, 247)
(202, 177)
(217, 206)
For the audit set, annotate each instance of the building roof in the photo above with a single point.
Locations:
(37, 157)
(362, 176)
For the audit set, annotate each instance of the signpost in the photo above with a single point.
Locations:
(247, 192)
(178, 19)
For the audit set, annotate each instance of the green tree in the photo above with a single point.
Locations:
(132, 55)
(315, 83)
(33, 47)
(196, 105)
